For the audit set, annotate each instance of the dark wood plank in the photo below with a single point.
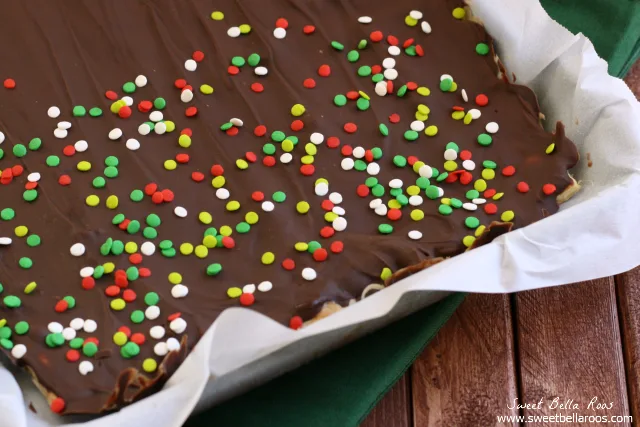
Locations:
(569, 347)
(628, 287)
(394, 410)
(466, 375)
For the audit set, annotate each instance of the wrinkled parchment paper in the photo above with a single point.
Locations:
(593, 235)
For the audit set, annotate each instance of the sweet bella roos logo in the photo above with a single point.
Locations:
(556, 403)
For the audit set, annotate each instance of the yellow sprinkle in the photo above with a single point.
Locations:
(21, 231)
(364, 95)
(112, 202)
(175, 278)
(301, 246)
(507, 216)
(394, 204)
(187, 248)
(287, 145)
(218, 181)
(413, 190)
(457, 115)
(234, 292)
(30, 287)
(118, 304)
(410, 21)
(330, 216)
(421, 117)
(149, 365)
(480, 185)
(319, 180)
(445, 201)
(424, 109)
(206, 89)
(386, 273)
(184, 141)
(297, 110)
(108, 267)
(310, 149)
(468, 240)
(201, 251)
(302, 207)
(497, 196)
(488, 174)
(131, 247)
(417, 214)
(306, 160)
(467, 118)
(245, 28)
(83, 166)
(268, 258)
(454, 87)
(458, 13)
(120, 339)
(450, 166)
(205, 217)
(550, 148)
(209, 242)
(251, 218)
(431, 130)
(233, 205)
(170, 125)
(170, 164)
(217, 16)
(242, 164)
(116, 106)
(479, 230)
(424, 91)
(92, 200)
(225, 230)
(3, 323)
(417, 165)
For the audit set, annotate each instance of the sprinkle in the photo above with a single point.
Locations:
(484, 139)
(550, 148)
(482, 49)
(115, 134)
(507, 216)
(309, 274)
(53, 112)
(324, 71)
(180, 212)
(492, 127)
(18, 351)
(279, 33)
(522, 187)
(365, 20)
(458, 13)
(548, 189)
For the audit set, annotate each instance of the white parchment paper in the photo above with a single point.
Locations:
(593, 235)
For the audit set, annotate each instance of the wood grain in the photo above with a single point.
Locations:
(569, 347)
(628, 287)
(394, 410)
(466, 374)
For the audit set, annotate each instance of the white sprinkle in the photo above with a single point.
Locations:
(157, 332)
(236, 122)
(156, 116)
(347, 164)
(132, 144)
(186, 96)
(381, 210)
(69, 333)
(60, 133)
(339, 224)
(417, 125)
(425, 171)
(179, 291)
(144, 129)
(365, 20)
(381, 88)
(77, 323)
(479, 201)
(415, 200)
(152, 312)
(81, 146)
(173, 344)
(359, 152)
(465, 98)
(309, 273)
(77, 249)
(33, 177)
(85, 367)
(375, 203)
(415, 235)
(268, 206)
(249, 289)
(446, 76)
(55, 328)
(279, 33)
(18, 351)
(222, 193)
(389, 63)
(338, 210)
(321, 189)
(90, 326)
(115, 133)
(161, 349)
(261, 71)
(390, 74)
(373, 168)
(492, 127)
(64, 125)
(180, 211)
(53, 112)
(440, 192)
(394, 50)
(286, 158)
(475, 113)
(233, 32)
(469, 206)
(140, 81)
(469, 165)
(426, 28)
(317, 138)
(265, 286)
(415, 14)
(160, 128)
(148, 248)
(86, 271)
(1, 137)
(450, 154)
(178, 325)
(128, 101)
(336, 198)
(190, 65)
(395, 183)
(4, 241)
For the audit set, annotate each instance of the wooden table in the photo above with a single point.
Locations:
(577, 342)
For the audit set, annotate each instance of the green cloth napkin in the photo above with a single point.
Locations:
(341, 388)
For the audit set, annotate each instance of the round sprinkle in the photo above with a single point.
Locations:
(458, 13)
(492, 127)
(482, 49)
(309, 273)
(53, 112)
(484, 139)
(507, 216)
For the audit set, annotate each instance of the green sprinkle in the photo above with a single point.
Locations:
(371, 181)
(243, 227)
(6, 344)
(98, 272)
(71, 301)
(278, 136)
(89, 349)
(377, 153)
(253, 59)
(137, 316)
(133, 227)
(52, 161)
(35, 144)
(111, 161)
(446, 84)
(363, 104)
(21, 328)
(25, 263)
(7, 214)
(423, 182)
(76, 343)
(432, 192)
(377, 77)
(456, 203)
(117, 219)
(377, 190)
(129, 350)
(442, 176)
(19, 150)
(214, 269)
(445, 209)
(151, 298)
(151, 125)
(5, 332)
(337, 45)
(136, 195)
(149, 233)
(105, 248)
(225, 126)
(353, 56)
(395, 192)
(98, 182)
(165, 244)
(411, 135)
(238, 61)
(402, 199)
(159, 103)
(79, 111)
(129, 87)
(482, 49)
(385, 228)
(279, 196)
(211, 231)
(117, 248)
(384, 130)
(360, 165)
(362, 44)
(1, 153)
(484, 139)
(30, 195)
(472, 194)
(153, 220)
(95, 112)
(364, 71)
(489, 164)
(340, 100)
(269, 149)
(402, 91)
(400, 161)
(452, 146)
(132, 273)
(472, 222)
(1, 288)
(313, 246)
(411, 51)
(111, 172)
(293, 139)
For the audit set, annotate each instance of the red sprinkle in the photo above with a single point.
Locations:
(489, 193)
(69, 150)
(350, 127)
(88, 283)
(233, 70)
(138, 338)
(407, 43)
(548, 189)
(368, 155)
(394, 118)
(191, 111)
(309, 83)
(61, 306)
(362, 190)
(129, 295)
(182, 158)
(392, 40)
(394, 214)
(145, 106)
(250, 156)
(465, 155)
(324, 70)
(167, 195)
(144, 272)
(72, 355)
(186, 131)
(257, 87)
(482, 100)
(508, 170)
(320, 254)
(412, 160)
(297, 125)
(58, 405)
(17, 170)
(180, 83)
(337, 247)
(327, 205)
(217, 170)
(307, 170)
(94, 340)
(260, 130)
(112, 291)
(233, 131)
(522, 187)
(228, 242)
(465, 178)
(124, 112)
(346, 150)
(111, 95)
(376, 36)
(327, 232)
(352, 95)
(189, 87)
(333, 142)
(490, 208)
(197, 176)
(308, 29)
(157, 198)
(376, 69)
(150, 188)
(135, 259)
(282, 23)
(288, 264)
(389, 86)
(457, 108)
(247, 299)
(125, 330)
(419, 50)
(174, 316)
(412, 85)
(198, 56)
(30, 185)
(452, 177)
(124, 224)
(257, 196)
(269, 161)
(295, 322)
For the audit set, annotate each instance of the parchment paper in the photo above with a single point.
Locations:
(593, 235)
